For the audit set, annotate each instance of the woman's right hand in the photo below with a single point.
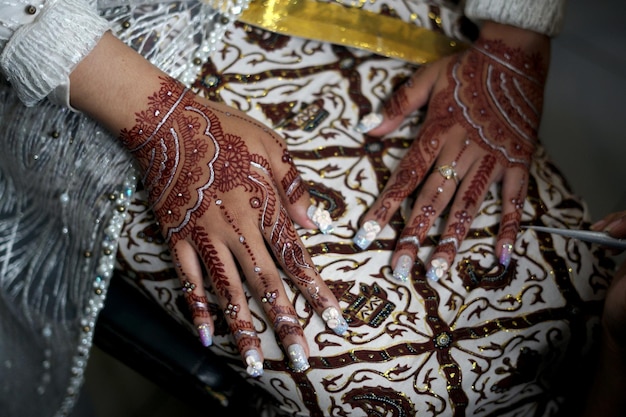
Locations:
(223, 188)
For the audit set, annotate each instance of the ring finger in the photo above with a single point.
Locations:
(437, 191)
(469, 196)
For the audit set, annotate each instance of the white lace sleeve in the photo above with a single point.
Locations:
(42, 42)
(543, 16)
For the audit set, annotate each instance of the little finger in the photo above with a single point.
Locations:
(190, 274)
(514, 190)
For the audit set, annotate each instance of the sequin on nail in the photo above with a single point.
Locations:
(438, 268)
(254, 364)
(505, 254)
(298, 359)
(403, 268)
(368, 122)
(335, 321)
(366, 234)
(321, 217)
(204, 331)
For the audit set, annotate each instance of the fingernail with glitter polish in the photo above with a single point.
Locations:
(505, 255)
(368, 122)
(438, 268)
(254, 362)
(298, 359)
(403, 268)
(321, 217)
(204, 331)
(366, 234)
(335, 321)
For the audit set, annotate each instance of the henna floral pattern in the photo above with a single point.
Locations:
(169, 139)
(467, 346)
(192, 166)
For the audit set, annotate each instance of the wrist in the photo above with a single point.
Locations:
(112, 83)
(514, 36)
(526, 44)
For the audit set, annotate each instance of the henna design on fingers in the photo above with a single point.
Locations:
(198, 305)
(283, 238)
(408, 243)
(412, 168)
(292, 182)
(480, 181)
(269, 297)
(245, 335)
(510, 222)
(216, 270)
(416, 231)
(510, 225)
(457, 229)
(284, 243)
(231, 310)
(284, 318)
(285, 321)
(239, 333)
(188, 286)
(383, 210)
(398, 104)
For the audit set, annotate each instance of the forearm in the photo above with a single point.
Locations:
(112, 83)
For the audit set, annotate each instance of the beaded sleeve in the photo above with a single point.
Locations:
(543, 16)
(47, 41)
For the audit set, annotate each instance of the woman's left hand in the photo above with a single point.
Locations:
(484, 110)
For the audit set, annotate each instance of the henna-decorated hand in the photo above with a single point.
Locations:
(224, 189)
(484, 109)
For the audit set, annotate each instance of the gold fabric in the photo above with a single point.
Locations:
(350, 26)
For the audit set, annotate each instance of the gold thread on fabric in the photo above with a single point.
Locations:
(348, 26)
